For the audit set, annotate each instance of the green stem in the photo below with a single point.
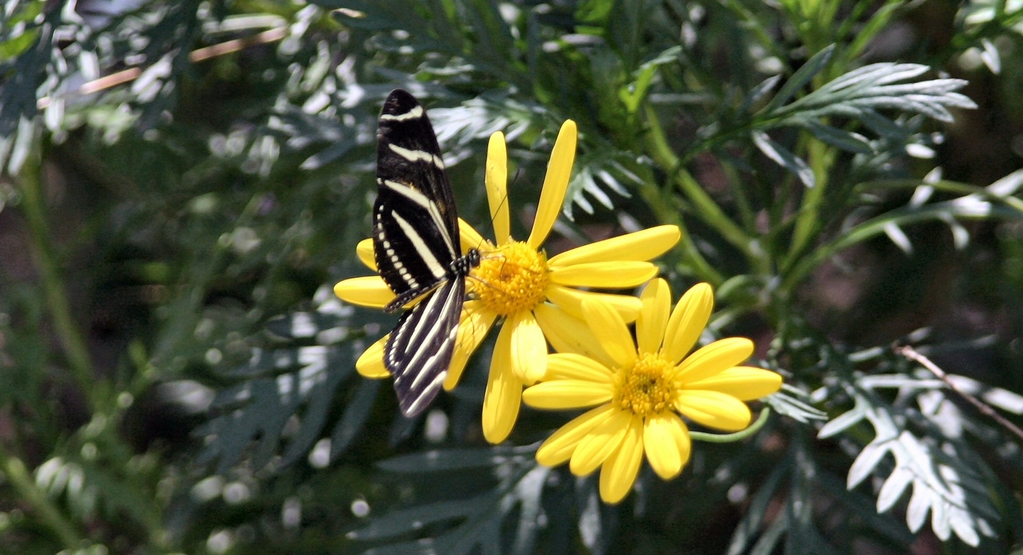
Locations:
(737, 436)
(690, 254)
(705, 207)
(16, 473)
(68, 333)
(808, 221)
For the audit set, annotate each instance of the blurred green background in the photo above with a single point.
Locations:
(183, 182)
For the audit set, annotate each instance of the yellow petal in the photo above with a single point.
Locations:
(555, 183)
(610, 330)
(598, 445)
(528, 347)
(607, 275)
(370, 291)
(471, 239)
(568, 334)
(371, 362)
(687, 321)
(571, 366)
(621, 468)
(713, 359)
(659, 440)
(713, 409)
(683, 442)
(497, 187)
(640, 245)
(653, 317)
(742, 382)
(570, 300)
(567, 394)
(472, 329)
(364, 250)
(504, 391)
(559, 447)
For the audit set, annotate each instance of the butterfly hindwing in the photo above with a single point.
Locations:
(417, 251)
(419, 350)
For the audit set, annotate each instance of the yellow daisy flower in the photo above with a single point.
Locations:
(641, 389)
(518, 286)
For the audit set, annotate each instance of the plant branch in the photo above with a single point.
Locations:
(912, 354)
(41, 245)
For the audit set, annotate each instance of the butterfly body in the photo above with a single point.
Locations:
(417, 249)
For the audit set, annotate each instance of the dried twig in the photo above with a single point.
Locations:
(199, 55)
(915, 356)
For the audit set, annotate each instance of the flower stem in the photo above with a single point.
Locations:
(68, 333)
(660, 151)
(706, 208)
(808, 223)
(728, 438)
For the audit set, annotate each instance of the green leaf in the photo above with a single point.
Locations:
(947, 487)
(759, 92)
(594, 12)
(595, 171)
(844, 421)
(255, 412)
(464, 524)
(866, 462)
(995, 396)
(801, 77)
(354, 417)
(597, 521)
(874, 87)
(784, 158)
(792, 407)
(746, 531)
(304, 325)
(633, 93)
(845, 140)
(454, 459)
(864, 508)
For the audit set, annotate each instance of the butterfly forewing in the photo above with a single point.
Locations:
(414, 211)
(416, 247)
(412, 253)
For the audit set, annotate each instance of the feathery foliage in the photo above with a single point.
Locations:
(179, 181)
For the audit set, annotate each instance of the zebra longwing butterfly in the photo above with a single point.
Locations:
(417, 251)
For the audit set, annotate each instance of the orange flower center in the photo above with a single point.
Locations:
(644, 389)
(510, 278)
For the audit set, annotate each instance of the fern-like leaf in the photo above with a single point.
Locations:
(290, 387)
(943, 484)
(505, 514)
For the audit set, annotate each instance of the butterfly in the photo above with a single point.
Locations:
(417, 251)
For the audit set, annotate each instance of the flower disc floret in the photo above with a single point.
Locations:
(645, 389)
(510, 279)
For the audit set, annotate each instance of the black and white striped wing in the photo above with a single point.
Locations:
(417, 251)
(419, 350)
(415, 228)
